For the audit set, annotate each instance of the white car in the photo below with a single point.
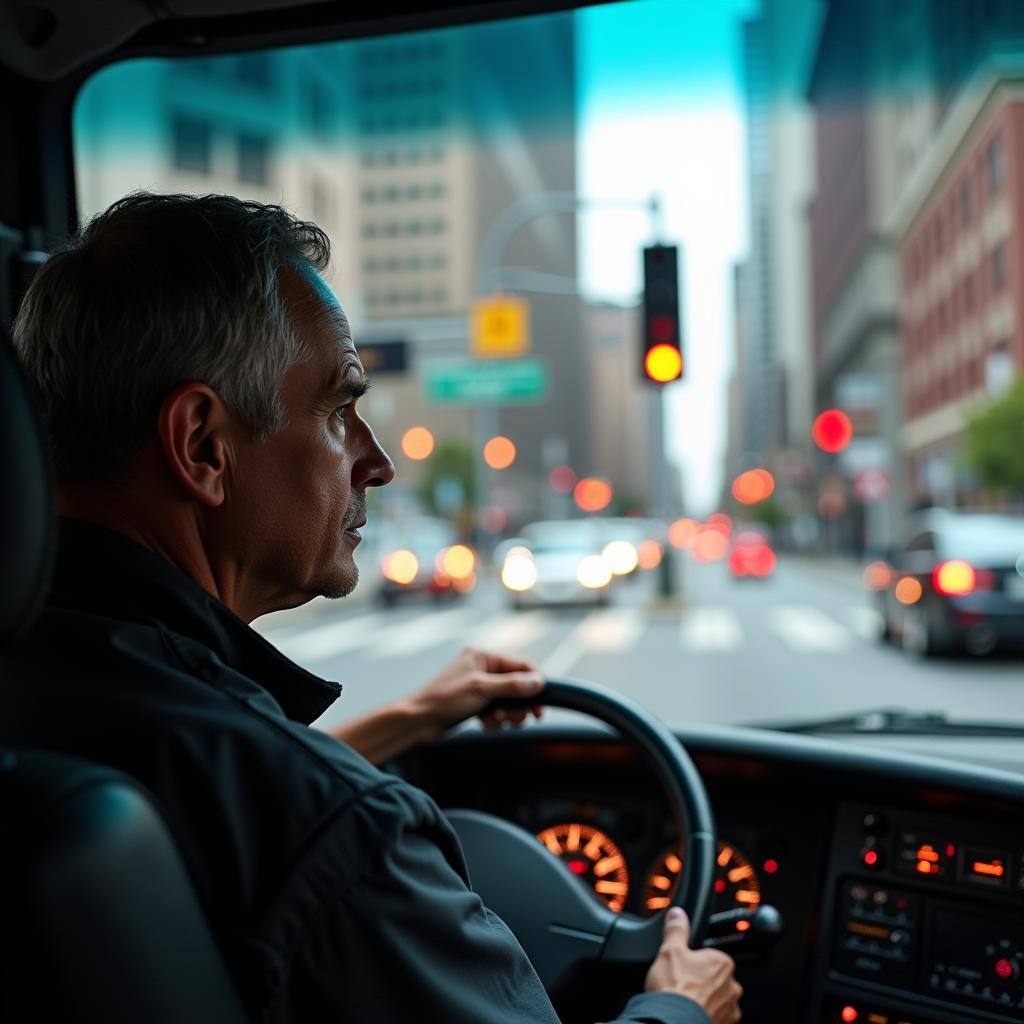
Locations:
(556, 562)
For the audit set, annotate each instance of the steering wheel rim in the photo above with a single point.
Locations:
(577, 926)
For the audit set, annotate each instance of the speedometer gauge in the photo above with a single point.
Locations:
(736, 881)
(593, 857)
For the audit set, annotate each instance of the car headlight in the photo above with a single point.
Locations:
(400, 566)
(621, 556)
(458, 562)
(593, 572)
(518, 573)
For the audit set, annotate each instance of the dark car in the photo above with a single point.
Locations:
(955, 581)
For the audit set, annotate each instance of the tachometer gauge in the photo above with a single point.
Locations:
(592, 856)
(736, 881)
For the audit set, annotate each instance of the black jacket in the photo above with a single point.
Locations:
(336, 892)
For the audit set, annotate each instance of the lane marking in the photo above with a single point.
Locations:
(324, 641)
(510, 632)
(710, 629)
(428, 630)
(804, 628)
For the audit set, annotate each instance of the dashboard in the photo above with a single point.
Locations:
(897, 881)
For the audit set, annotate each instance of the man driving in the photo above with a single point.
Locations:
(200, 388)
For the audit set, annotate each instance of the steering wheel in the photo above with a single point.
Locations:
(557, 922)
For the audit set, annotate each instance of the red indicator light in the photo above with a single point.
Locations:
(849, 1014)
(950, 850)
(770, 866)
(928, 853)
(577, 867)
(994, 869)
(1004, 969)
(720, 885)
(871, 858)
(743, 926)
(924, 868)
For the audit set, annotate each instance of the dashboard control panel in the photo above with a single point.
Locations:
(931, 913)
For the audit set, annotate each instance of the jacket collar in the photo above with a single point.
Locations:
(102, 571)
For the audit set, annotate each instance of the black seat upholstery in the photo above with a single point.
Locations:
(98, 918)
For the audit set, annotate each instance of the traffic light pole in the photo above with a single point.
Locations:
(492, 276)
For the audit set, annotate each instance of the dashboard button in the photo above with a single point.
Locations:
(872, 857)
(875, 824)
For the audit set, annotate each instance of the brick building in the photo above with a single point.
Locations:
(961, 254)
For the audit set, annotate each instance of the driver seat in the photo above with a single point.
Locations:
(100, 921)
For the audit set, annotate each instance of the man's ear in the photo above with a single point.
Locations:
(194, 426)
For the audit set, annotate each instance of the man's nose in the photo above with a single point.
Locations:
(375, 468)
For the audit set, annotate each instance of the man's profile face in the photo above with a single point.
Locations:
(300, 495)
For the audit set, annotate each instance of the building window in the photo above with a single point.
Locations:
(966, 202)
(969, 295)
(370, 230)
(253, 158)
(370, 266)
(322, 199)
(192, 140)
(995, 165)
(319, 108)
(999, 267)
(253, 69)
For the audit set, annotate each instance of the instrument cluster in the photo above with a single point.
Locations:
(647, 886)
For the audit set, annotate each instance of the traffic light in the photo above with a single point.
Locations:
(661, 343)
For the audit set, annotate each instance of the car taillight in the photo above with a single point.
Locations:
(763, 560)
(954, 578)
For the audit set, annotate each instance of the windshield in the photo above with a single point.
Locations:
(679, 278)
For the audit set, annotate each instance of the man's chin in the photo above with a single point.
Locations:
(340, 585)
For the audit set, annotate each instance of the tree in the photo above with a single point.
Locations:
(451, 461)
(994, 442)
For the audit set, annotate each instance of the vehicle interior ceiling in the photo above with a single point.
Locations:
(896, 879)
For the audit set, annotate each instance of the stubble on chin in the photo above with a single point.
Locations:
(341, 585)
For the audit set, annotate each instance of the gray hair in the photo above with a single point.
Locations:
(155, 291)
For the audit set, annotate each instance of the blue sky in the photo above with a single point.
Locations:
(661, 112)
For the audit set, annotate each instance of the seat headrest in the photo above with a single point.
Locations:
(27, 523)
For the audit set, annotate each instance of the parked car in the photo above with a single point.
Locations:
(557, 562)
(955, 580)
(750, 556)
(423, 556)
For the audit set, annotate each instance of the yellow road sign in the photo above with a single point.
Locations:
(501, 327)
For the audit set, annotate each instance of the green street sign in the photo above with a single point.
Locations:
(498, 382)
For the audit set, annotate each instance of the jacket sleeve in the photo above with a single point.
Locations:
(408, 941)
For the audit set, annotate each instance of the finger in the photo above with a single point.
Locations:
(517, 717)
(677, 924)
(489, 720)
(495, 686)
(492, 661)
(537, 711)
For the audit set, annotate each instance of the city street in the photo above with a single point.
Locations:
(799, 645)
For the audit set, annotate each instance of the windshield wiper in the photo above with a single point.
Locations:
(896, 722)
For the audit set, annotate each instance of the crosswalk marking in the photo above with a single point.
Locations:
(322, 642)
(804, 628)
(510, 632)
(866, 622)
(414, 635)
(707, 629)
(710, 629)
(611, 631)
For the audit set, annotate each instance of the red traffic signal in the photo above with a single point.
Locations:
(832, 431)
(661, 346)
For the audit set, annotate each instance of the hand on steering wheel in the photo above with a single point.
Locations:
(555, 919)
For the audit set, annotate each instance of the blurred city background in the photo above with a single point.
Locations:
(834, 468)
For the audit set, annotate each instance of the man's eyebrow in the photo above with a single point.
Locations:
(345, 387)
